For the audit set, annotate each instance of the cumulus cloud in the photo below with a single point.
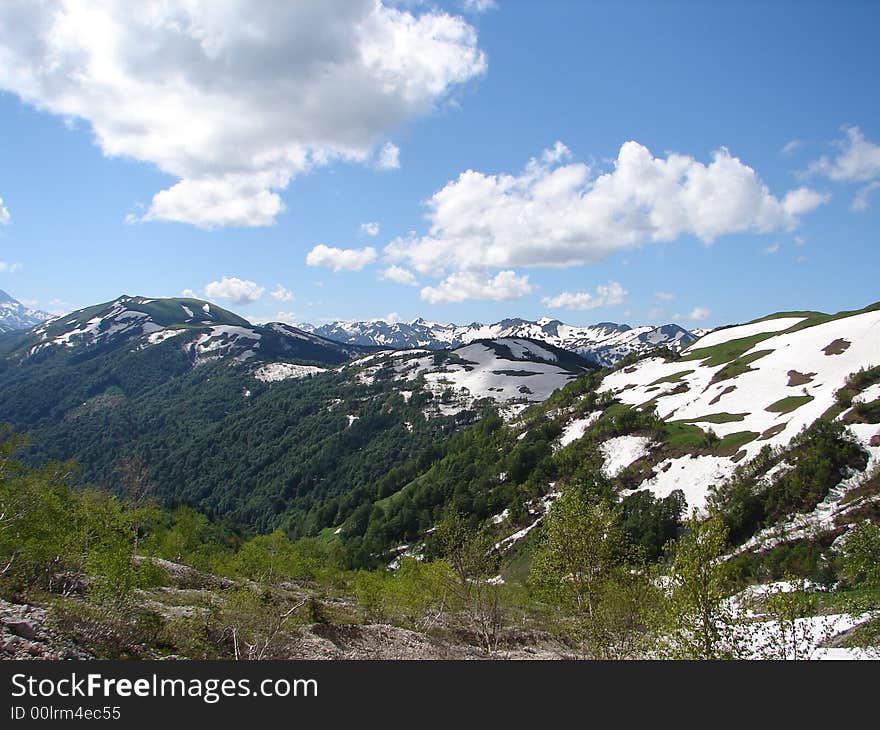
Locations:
(8, 268)
(399, 275)
(370, 229)
(389, 157)
(4, 214)
(234, 99)
(464, 285)
(234, 290)
(803, 200)
(607, 295)
(282, 294)
(664, 296)
(698, 314)
(341, 259)
(858, 159)
(772, 249)
(791, 147)
(561, 213)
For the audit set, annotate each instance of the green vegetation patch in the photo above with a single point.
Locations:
(732, 443)
(728, 389)
(864, 413)
(725, 352)
(715, 418)
(686, 436)
(673, 378)
(773, 431)
(738, 366)
(789, 404)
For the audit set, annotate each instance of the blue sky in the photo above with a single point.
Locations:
(254, 169)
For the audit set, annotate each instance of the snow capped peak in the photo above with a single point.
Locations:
(16, 316)
(604, 343)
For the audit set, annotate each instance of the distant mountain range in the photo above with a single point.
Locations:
(16, 316)
(605, 343)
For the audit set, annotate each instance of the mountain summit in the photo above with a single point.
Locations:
(16, 316)
(605, 343)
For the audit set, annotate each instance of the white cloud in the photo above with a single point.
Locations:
(803, 200)
(698, 314)
(772, 249)
(341, 259)
(389, 157)
(8, 268)
(791, 147)
(478, 6)
(860, 202)
(664, 296)
(800, 259)
(562, 214)
(392, 318)
(286, 317)
(800, 241)
(283, 294)
(858, 159)
(464, 285)
(234, 99)
(235, 290)
(370, 229)
(399, 275)
(4, 214)
(189, 294)
(607, 295)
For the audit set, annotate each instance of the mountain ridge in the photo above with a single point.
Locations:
(605, 343)
(16, 316)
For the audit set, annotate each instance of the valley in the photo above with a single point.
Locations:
(364, 481)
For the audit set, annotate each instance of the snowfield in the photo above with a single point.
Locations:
(277, 371)
(621, 451)
(693, 475)
(789, 382)
(577, 428)
(749, 394)
(478, 371)
(745, 330)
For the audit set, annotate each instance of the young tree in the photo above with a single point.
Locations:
(698, 622)
(585, 566)
(472, 559)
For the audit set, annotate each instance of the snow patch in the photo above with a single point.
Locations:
(621, 451)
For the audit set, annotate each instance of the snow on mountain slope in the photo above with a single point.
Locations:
(207, 332)
(790, 383)
(275, 371)
(757, 385)
(16, 316)
(604, 343)
(725, 334)
(513, 372)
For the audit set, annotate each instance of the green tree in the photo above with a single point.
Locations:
(583, 565)
(860, 560)
(698, 622)
(472, 561)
